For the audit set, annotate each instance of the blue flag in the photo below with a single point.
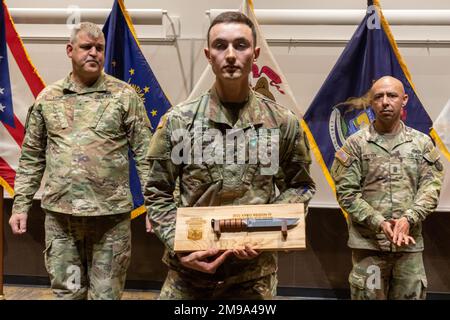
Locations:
(341, 106)
(124, 60)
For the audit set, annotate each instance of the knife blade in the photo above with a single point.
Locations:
(252, 224)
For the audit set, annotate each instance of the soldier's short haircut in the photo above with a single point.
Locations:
(233, 17)
(90, 28)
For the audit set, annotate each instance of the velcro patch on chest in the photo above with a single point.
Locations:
(432, 156)
(395, 168)
(344, 158)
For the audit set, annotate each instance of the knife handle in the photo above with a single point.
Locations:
(229, 225)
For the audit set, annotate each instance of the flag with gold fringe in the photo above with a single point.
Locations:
(341, 106)
(442, 127)
(20, 83)
(124, 60)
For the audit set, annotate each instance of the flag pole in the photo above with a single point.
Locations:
(2, 296)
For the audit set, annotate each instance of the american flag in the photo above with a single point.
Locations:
(19, 85)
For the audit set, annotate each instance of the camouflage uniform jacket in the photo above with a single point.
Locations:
(375, 183)
(81, 137)
(222, 183)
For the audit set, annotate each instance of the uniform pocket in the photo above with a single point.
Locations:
(98, 115)
(356, 280)
(411, 164)
(374, 166)
(58, 258)
(269, 152)
(55, 116)
(121, 255)
(109, 118)
(423, 293)
(197, 176)
(249, 172)
(48, 247)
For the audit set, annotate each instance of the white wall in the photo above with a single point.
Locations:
(178, 65)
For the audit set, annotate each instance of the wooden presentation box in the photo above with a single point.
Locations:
(194, 231)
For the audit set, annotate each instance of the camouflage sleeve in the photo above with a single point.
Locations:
(138, 130)
(294, 182)
(158, 192)
(346, 173)
(31, 162)
(431, 175)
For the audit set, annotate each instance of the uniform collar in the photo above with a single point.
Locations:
(251, 113)
(404, 135)
(70, 86)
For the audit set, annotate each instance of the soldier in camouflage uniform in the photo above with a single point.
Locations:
(388, 178)
(79, 130)
(229, 106)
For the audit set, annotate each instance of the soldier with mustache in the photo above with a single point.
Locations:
(388, 178)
